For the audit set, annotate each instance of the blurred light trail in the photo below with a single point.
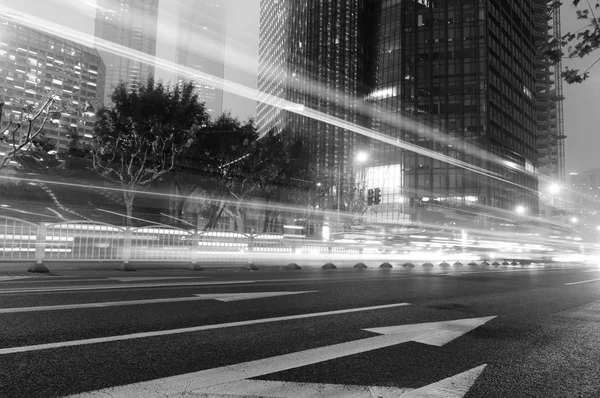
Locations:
(241, 90)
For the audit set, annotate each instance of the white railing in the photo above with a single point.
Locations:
(22, 240)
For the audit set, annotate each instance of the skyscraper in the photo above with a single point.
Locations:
(129, 23)
(35, 64)
(194, 37)
(311, 55)
(457, 78)
(465, 71)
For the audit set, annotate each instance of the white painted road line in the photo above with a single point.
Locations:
(152, 278)
(437, 333)
(225, 297)
(73, 343)
(12, 278)
(580, 282)
(113, 287)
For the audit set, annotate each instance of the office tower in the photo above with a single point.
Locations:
(34, 64)
(465, 70)
(128, 23)
(454, 77)
(312, 55)
(192, 35)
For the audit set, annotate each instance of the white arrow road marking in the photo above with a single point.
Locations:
(455, 386)
(452, 387)
(226, 297)
(436, 332)
(73, 343)
(114, 287)
(282, 389)
(580, 282)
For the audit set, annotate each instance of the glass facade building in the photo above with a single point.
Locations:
(312, 55)
(464, 72)
(456, 78)
(34, 65)
(197, 41)
(129, 23)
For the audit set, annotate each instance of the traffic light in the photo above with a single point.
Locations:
(370, 197)
(377, 198)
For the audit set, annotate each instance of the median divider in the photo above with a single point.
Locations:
(250, 267)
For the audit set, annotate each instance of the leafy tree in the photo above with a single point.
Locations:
(580, 43)
(137, 140)
(217, 158)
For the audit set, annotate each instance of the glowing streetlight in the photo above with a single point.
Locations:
(574, 220)
(520, 209)
(554, 188)
(362, 156)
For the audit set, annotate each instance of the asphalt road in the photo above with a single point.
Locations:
(528, 332)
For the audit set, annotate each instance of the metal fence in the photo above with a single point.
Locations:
(22, 240)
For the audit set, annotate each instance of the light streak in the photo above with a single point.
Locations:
(238, 89)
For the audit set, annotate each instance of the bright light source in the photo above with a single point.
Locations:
(520, 209)
(554, 188)
(598, 227)
(574, 220)
(362, 157)
(325, 232)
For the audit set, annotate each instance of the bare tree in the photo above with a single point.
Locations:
(25, 129)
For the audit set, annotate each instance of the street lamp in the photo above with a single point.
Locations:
(554, 188)
(574, 220)
(520, 209)
(362, 156)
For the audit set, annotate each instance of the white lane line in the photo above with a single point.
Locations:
(580, 282)
(12, 278)
(152, 278)
(225, 297)
(72, 343)
(58, 279)
(114, 287)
